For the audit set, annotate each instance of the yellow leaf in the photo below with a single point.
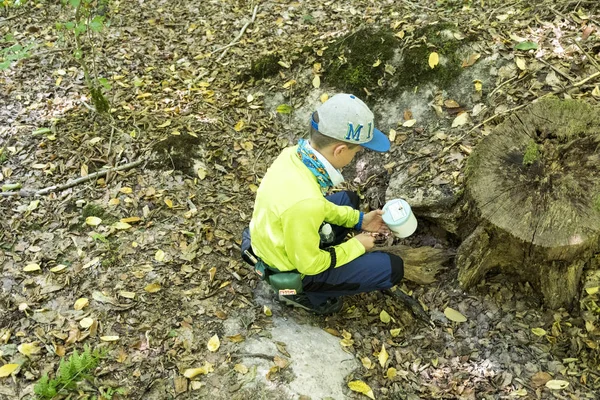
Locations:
(596, 92)
(241, 368)
(86, 322)
(556, 384)
(159, 256)
(126, 190)
(239, 126)
(434, 59)
(361, 387)
(121, 225)
(31, 267)
(384, 317)
(409, 123)
(395, 332)
(109, 338)
(478, 85)
(165, 124)
(538, 331)
(214, 343)
(366, 362)
(316, 82)
(454, 315)
(267, 311)
(377, 63)
(383, 356)
(289, 84)
(7, 369)
(462, 119)
(153, 287)
(400, 35)
(193, 372)
(127, 295)
(58, 268)
(521, 64)
(592, 290)
(93, 221)
(81, 303)
(114, 202)
(324, 97)
(169, 203)
(28, 348)
(391, 373)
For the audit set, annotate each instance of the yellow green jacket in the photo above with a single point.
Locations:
(288, 213)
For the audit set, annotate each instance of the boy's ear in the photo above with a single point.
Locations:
(339, 149)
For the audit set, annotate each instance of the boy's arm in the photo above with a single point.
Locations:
(301, 225)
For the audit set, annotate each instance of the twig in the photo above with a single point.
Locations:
(226, 48)
(112, 131)
(502, 84)
(13, 16)
(59, 188)
(252, 355)
(592, 60)
(557, 70)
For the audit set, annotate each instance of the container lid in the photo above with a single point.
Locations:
(396, 212)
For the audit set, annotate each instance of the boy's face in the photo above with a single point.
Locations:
(343, 155)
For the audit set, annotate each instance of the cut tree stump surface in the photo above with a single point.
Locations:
(533, 190)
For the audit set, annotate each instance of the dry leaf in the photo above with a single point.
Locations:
(121, 226)
(461, 120)
(281, 362)
(395, 332)
(471, 60)
(126, 190)
(391, 373)
(454, 315)
(451, 103)
(383, 356)
(86, 322)
(596, 91)
(31, 267)
(29, 348)
(538, 331)
(324, 97)
(521, 64)
(316, 82)
(153, 287)
(236, 338)
(556, 384)
(540, 378)
(267, 311)
(409, 123)
(478, 85)
(241, 368)
(7, 369)
(93, 221)
(205, 369)
(169, 203)
(239, 125)
(361, 387)
(367, 363)
(109, 338)
(58, 268)
(81, 303)
(434, 59)
(214, 343)
(384, 317)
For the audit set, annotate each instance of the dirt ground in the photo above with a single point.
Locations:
(155, 248)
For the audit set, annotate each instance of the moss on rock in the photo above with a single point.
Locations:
(265, 66)
(357, 61)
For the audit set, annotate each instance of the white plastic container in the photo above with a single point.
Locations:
(398, 216)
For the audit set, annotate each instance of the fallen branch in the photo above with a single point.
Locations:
(59, 188)
(226, 48)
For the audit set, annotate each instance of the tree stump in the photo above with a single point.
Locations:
(533, 200)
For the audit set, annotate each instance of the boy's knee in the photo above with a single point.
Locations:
(397, 269)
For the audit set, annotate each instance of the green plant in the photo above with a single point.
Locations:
(88, 20)
(76, 368)
(532, 153)
(12, 53)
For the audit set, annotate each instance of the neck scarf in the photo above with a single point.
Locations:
(327, 176)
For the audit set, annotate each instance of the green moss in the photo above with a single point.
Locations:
(349, 62)
(532, 153)
(265, 66)
(92, 210)
(415, 69)
(178, 152)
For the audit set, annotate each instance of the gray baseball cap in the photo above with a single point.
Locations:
(345, 117)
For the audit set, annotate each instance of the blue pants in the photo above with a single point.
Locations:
(371, 271)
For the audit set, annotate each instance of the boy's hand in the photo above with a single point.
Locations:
(367, 240)
(373, 222)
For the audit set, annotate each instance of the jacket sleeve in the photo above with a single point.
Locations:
(301, 225)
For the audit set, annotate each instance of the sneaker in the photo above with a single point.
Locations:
(331, 306)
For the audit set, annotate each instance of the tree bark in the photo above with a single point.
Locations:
(533, 200)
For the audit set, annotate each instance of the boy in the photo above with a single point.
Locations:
(292, 208)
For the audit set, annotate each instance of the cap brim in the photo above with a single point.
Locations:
(379, 143)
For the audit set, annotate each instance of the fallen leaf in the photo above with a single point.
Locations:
(461, 120)
(241, 368)
(193, 372)
(109, 338)
(236, 338)
(267, 311)
(395, 332)
(93, 221)
(454, 315)
(556, 384)
(214, 343)
(316, 82)
(121, 226)
(126, 190)
(596, 93)
(31, 267)
(324, 97)
(451, 103)
(7, 369)
(384, 317)
(383, 356)
(159, 255)
(526, 46)
(239, 125)
(540, 378)
(29, 348)
(169, 203)
(361, 387)
(366, 362)
(521, 63)
(281, 362)
(153, 287)
(409, 123)
(434, 59)
(538, 331)
(86, 322)
(81, 303)
(391, 373)
(471, 60)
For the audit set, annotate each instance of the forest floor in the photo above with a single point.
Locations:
(144, 263)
